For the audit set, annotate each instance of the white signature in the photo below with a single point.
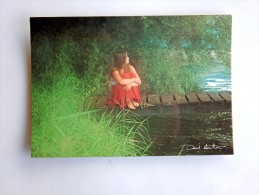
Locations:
(205, 147)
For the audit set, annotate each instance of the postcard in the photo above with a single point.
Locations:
(131, 86)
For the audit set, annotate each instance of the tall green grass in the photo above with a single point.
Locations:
(60, 128)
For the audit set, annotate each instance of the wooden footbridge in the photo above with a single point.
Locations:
(172, 119)
(173, 103)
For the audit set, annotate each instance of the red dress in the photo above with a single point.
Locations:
(120, 96)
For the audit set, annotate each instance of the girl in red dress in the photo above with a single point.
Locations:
(125, 88)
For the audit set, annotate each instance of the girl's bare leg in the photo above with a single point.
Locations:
(131, 104)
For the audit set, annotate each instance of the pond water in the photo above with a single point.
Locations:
(217, 79)
(193, 129)
(191, 134)
(196, 133)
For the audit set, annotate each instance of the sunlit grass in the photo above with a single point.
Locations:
(60, 128)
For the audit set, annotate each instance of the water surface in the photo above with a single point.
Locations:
(191, 134)
(217, 79)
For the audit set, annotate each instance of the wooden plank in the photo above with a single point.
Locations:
(102, 101)
(143, 97)
(153, 99)
(192, 98)
(180, 99)
(204, 97)
(90, 101)
(168, 99)
(216, 97)
(226, 95)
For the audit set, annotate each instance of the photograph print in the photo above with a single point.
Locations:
(131, 86)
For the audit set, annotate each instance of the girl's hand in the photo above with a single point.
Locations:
(127, 87)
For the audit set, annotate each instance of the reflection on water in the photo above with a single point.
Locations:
(217, 79)
(204, 130)
(191, 134)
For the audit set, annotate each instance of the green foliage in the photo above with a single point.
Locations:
(159, 47)
(60, 127)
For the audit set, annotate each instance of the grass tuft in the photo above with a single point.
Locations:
(61, 129)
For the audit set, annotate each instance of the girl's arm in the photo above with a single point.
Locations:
(132, 69)
(122, 81)
(128, 87)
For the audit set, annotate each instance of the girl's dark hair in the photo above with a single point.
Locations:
(119, 60)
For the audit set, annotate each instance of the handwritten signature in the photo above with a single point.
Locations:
(205, 147)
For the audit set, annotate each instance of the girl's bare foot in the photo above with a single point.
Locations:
(135, 104)
(130, 105)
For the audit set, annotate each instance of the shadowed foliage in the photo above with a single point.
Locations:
(159, 47)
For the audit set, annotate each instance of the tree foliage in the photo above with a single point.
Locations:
(159, 47)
